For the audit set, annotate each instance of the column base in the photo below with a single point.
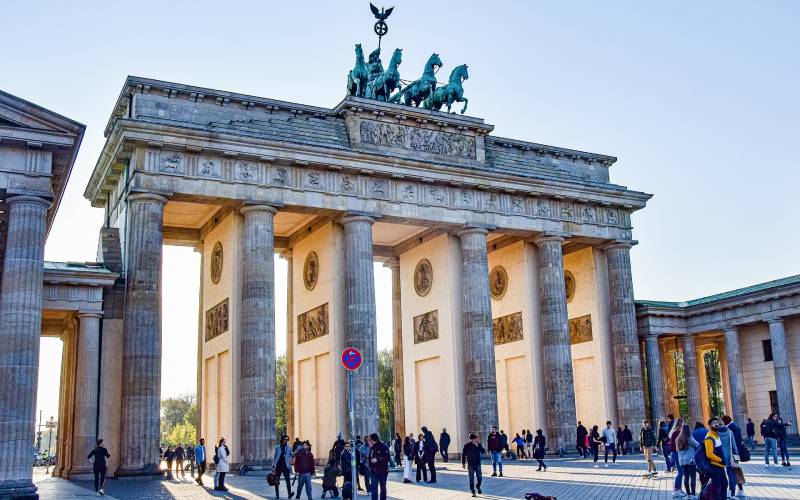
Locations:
(18, 490)
(147, 472)
(80, 474)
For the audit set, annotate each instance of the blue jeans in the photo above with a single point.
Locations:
(667, 459)
(784, 451)
(497, 460)
(770, 444)
(689, 478)
(304, 479)
(612, 448)
(732, 480)
(751, 442)
(679, 469)
(474, 471)
(379, 480)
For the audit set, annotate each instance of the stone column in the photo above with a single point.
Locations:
(87, 378)
(257, 337)
(480, 383)
(691, 372)
(556, 351)
(397, 349)
(360, 328)
(654, 382)
(287, 254)
(783, 374)
(141, 358)
(627, 360)
(20, 329)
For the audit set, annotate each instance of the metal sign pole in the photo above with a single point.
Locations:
(354, 472)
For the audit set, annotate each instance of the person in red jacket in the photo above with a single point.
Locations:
(304, 468)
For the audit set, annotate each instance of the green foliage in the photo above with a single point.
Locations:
(178, 417)
(386, 392)
(280, 396)
(680, 378)
(716, 400)
(181, 433)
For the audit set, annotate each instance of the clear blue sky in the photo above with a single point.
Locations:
(698, 100)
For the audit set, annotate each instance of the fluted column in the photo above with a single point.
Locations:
(141, 358)
(257, 337)
(287, 254)
(397, 349)
(627, 359)
(84, 430)
(654, 383)
(20, 329)
(736, 376)
(480, 382)
(691, 372)
(783, 374)
(556, 351)
(360, 328)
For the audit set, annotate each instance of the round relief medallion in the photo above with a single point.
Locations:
(569, 285)
(216, 263)
(498, 282)
(311, 271)
(423, 277)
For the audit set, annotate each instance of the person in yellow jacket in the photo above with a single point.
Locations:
(713, 448)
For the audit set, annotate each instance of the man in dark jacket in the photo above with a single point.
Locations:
(345, 461)
(751, 434)
(429, 453)
(495, 444)
(304, 468)
(771, 439)
(444, 443)
(627, 438)
(378, 466)
(180, 456)
(580, 440)
(471, 455)
(98, 456)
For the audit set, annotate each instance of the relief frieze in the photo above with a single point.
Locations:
(507, 328)
(580, 329)
(217, 320)
(312, 324)
(426, 327)
(420, 140)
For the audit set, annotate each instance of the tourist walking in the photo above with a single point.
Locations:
(363, 464)
(663, 442)
(495, 446)
(98, 458)
(504, 441)
(281, 466)
(430, 454)
(304, 468)
(190, 457)
(419, 458)
(770, 434)
(180, 456)
(528, 444)
(444, 443)
(408, 451)
(714, 454)
(730, 453)
(169, 457)
(398, 449)
(647, 443)
(471, 460)
(609, 440)
(539, 447)
(594, 444)
(580, 440)
(627, 438)
(200, 458)
(519, 442)
(673, 435)
(751, 434)
(378, 466)
(223, 467)
(686, 446)
(782, 443)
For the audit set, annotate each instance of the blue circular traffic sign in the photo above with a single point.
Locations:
(351, 359)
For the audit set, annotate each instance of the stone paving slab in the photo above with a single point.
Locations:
(564, 479)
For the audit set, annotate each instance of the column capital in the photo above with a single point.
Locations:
(548, 237)
(730, 328)
(148, 196)
(473, 229)
(258, 208)
(775, 320)
(29, 200)
(392, 263)
(615, 244)
(349, 218)
(90, 314)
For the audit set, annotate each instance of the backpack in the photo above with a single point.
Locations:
(216, 455)
(701, 460)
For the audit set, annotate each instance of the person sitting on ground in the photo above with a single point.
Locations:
(329, 475)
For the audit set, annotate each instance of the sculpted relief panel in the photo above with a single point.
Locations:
(426, 327)
(217, 320)
(580, 329)
(507, 328)
(312, 324)
(417, 139)
(423, 277)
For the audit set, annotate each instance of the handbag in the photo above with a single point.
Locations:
(744, 454)
(272, 479)
(739, 476)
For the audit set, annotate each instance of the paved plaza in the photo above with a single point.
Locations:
(565, 479)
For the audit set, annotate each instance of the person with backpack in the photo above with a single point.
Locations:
(98, 457)
(712, 461)
(221, 457)
(647, 442)
(282, 465)
(686, 447)
(471, 456)
(495, 446)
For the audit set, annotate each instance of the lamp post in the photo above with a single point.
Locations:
(39, 435)
(51, 424)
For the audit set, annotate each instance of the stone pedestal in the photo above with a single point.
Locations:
(20, 329)
(84, 430)
(257, 337)
(783, 374)
(360, 329)
(627, 359)
(556, 352)
(397, 350)
(692, 373)
(480, 379)
(736, 377)
(141, 358)
(654, 383)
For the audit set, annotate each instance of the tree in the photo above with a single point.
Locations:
(280, 396)
(178, 416)
(386, 392)
(716, 400)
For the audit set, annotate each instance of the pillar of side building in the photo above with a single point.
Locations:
(84, 430)
(20, 329)
(556, 352)
(360, 327)
(654, 383)
(257, 337)
(691, 372)
(287, 254)
(480, 389)
(397, 349)
(783, 374)
(627, 360)
(141, 358)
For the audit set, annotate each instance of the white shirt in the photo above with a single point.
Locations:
(610, 435)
